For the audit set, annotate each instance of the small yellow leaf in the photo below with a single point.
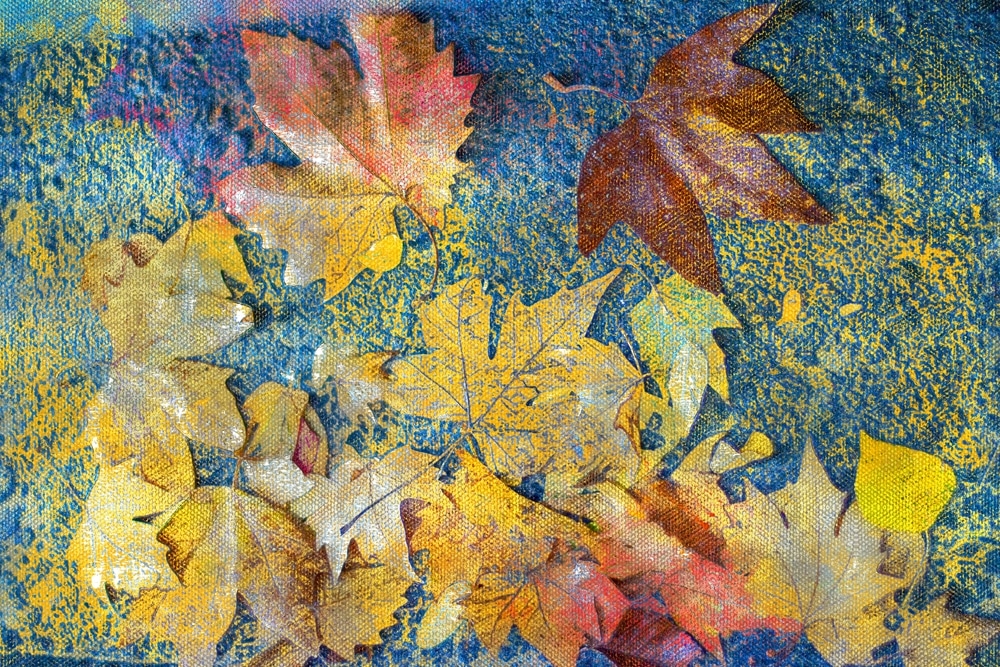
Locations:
(384, 254)
(899, 488)
(791, 306)
(849, 309)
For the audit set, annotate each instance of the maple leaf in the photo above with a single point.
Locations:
(690, 146)
(809, 556)
(115, 543)
(522, 564)
(164, 301)
(368, 141)
(548, 400)
(160, 302)
(222, 542)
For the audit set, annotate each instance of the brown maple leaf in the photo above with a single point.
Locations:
(690, 146)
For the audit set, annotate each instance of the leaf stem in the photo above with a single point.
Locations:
(558, 86)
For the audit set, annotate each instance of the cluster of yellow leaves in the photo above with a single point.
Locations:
(159, 303)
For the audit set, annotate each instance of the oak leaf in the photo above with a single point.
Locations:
(222, 542)
(810, 556)
(547, 401)
(522, 564)
(689, 146)
(161, 302)
(368, 141)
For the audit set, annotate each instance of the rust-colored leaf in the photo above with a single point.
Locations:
(689, 147)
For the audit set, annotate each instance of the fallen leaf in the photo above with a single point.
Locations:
(673, 326)
(443, 616)
(548, 400)
(349, 501)
(524, 565)
(286, 442)
(646, 639)
(791, 307)
(115, 543)
(661, 570)
(368, 142)
(690, 145)
(161, 302)
(899, 488)
(809, 556)
(166, 301)
(222, 542)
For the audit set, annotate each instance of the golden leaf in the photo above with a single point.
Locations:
(548, 400)
(673, 326)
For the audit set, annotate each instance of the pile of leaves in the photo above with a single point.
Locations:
(542, 506)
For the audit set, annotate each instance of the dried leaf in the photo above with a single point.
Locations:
(899, 488)
(111, 546)
(549, 400)
(690, 146)
(369, 141)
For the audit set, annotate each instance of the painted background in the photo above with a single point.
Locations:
(117, 119)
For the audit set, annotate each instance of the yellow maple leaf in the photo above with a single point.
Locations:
(368, 141)
(809, 557)
(549, 400)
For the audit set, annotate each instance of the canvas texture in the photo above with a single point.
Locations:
(524, 332)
